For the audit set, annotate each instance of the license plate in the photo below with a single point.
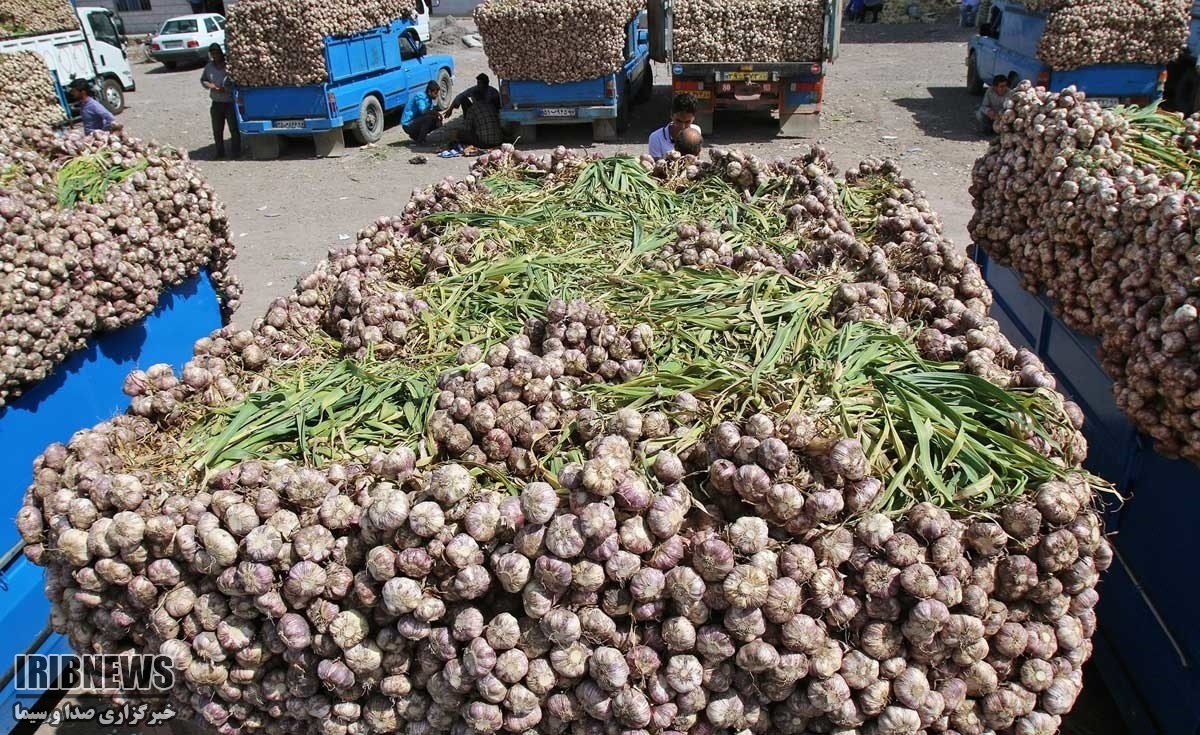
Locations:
(1105, 101)
(701, 94)
(288, 124)
(172, 44)
(746, 76)
(557, 112)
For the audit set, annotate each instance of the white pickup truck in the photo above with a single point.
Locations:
(96, 53)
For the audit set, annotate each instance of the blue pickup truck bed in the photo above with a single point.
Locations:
(1148, 645)
(1007, 46)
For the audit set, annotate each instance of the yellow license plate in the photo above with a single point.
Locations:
(747, 76)
(702, 94)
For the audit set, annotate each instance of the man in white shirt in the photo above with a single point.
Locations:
(683, 116)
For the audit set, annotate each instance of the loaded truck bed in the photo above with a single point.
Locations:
(370, 74)
(1006, 45)
(605, 101)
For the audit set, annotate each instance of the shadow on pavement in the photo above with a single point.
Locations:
(947, 113)
(944, 31)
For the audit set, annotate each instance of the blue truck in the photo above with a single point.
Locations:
(1006, 45)
(1148, 644)
(371, 74)
(1183, 78)
(604, 102)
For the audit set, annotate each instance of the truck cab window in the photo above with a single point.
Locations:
(409, 48)
(103, 29)
(420, 7)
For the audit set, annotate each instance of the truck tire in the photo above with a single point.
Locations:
(974, 83)
(445, 83)
(368, 128)
(623, 110)
(646, 89)
(112, 96)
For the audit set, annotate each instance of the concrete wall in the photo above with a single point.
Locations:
(149, 21)
(457, 8)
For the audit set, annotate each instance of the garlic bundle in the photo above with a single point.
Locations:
(282, 42)
(69, 272)
(762, 31)
(551, 553)
(31, 17)
(1114, 32)
(1108, 236)
(577, 39)
(27, 95)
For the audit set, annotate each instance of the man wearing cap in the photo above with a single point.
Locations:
(481, 91)
(95, 115)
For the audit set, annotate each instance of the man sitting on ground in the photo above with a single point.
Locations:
(481, 123)
(992, 106)
(421, 116)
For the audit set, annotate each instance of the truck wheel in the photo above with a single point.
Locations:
(647, 87)
(974, 83)
(368, 128)
(623, 110)
(445, 83)
(112, 96)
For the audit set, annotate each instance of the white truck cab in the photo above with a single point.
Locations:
(96, 53)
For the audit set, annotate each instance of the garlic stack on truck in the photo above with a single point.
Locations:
(749, 55)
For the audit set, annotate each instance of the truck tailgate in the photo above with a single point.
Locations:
(524, 93)
(283, 103)
(1111, 80)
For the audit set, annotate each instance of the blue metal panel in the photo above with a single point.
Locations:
(1111, 80)
(1020, 28)
(532, 93)
(52, 644)
(283, 103)
(582, 114)
(83, 391)
(1149, 600)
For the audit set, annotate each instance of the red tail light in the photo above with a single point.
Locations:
(1043, 78)
(504, 98)
(154, 47)
(193, 44)
(333, 106)
(610, 88)
(1162, 79)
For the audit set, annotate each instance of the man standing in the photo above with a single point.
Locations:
(95, 115)
(481, 123)
(688, 142)
(992, 106)
(215, 78)
(421, 116)
(482, 90)
(683, 117)
(969, 12)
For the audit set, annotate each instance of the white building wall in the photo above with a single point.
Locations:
(149, 21)
(457, 8)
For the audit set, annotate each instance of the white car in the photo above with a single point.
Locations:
(186, 39)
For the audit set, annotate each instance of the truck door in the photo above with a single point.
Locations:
(423, 9)
(986, 52)
(108, 56)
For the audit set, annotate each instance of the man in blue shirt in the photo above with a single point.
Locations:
(421, 116)
(95, 115)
